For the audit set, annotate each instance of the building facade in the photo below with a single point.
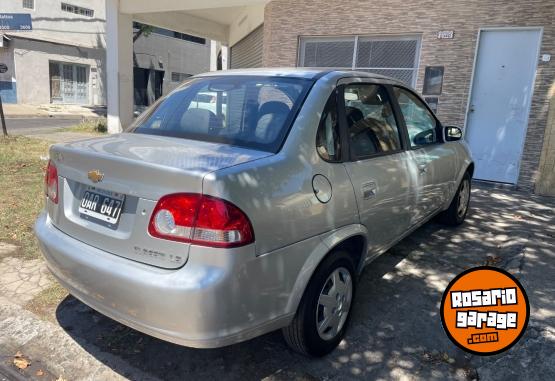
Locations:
(164, 58)
(487, 66)
(63, 59)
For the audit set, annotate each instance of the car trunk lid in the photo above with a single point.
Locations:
(141, 168)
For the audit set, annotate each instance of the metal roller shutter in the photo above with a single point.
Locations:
(248, 52)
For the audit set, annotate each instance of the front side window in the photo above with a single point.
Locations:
(327, 138)
(371, 123)
(421, 124)
(246, 111)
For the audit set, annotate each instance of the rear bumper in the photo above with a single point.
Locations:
(220, 297)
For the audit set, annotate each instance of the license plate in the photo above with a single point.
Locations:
(102, 205)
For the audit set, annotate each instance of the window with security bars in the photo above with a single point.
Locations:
(29, 4)
(82, 11)
(392, 56)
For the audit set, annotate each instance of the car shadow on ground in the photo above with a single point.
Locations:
(395, 330)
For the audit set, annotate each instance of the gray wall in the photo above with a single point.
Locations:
(171, 55)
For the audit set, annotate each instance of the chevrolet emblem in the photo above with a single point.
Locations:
(95, 176)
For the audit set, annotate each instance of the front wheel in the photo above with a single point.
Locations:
(458, 209)
(324, 311)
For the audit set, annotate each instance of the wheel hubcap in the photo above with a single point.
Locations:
(464, 197)
(334, 303)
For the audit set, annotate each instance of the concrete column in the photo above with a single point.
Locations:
(225, 57)
(119, 70)
(213, 55)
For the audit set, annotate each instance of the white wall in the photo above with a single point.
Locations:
(84, 36)
(50, 22)
(245, 22)
(32, 69)
(85, 43)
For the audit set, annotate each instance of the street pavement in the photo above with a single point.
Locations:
(37, 126)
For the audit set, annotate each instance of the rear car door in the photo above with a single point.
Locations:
(378, 165)
(433, 163)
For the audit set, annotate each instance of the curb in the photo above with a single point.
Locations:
(6, 372)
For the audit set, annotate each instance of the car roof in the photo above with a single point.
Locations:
(304, 72)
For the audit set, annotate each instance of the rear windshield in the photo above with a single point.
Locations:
(246, 111)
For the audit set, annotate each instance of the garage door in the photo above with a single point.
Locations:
(248, 52)
(392, 56)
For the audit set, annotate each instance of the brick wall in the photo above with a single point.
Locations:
(546, 182)
(286, 20)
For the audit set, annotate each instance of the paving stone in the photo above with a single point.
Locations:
(21, 280)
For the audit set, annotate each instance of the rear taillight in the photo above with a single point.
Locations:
(51, 182)
(200, 220)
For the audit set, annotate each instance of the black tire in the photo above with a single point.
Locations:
(454, 216)
(302, 334)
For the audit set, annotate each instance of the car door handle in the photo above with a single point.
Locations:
(369, 190)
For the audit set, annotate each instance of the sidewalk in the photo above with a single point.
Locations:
(51, 350)
(52, 111)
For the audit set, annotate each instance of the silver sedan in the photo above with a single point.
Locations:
(249, 201)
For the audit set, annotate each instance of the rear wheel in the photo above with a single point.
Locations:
(458, 209)
(324, 311)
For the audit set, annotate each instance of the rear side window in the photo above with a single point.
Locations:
(371, 123)
(246, 111)
(327, 139)
(421, 124)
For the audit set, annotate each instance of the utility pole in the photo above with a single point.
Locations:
(4, 129)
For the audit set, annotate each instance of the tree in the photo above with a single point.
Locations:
(144, 30)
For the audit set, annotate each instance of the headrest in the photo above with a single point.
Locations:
(273, 107)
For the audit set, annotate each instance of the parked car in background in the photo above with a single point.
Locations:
(209, 225)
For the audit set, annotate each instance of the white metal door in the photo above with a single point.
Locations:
(503, 83)
(74, 84)
(68, 84)
(81, 85)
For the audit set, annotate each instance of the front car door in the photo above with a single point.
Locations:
(433, 163)
(378, 164)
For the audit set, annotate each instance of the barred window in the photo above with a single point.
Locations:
(77, 10)
(29, 4)
(392, 56)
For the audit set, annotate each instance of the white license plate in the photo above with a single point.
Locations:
(102, 205)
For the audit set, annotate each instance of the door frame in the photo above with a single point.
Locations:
(474, 65)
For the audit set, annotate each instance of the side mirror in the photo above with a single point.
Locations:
(452, 134)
